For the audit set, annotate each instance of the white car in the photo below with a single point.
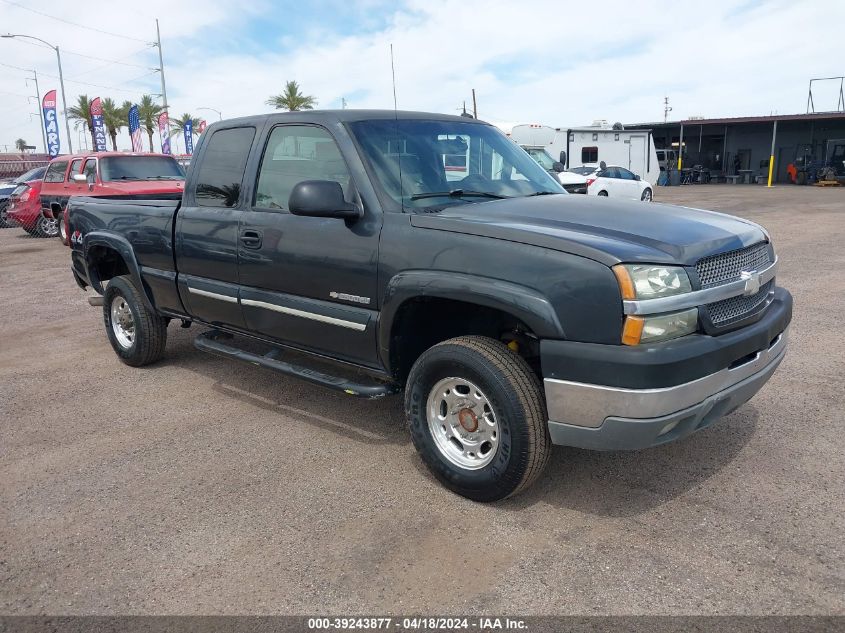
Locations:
(617, 182)
(573, 182)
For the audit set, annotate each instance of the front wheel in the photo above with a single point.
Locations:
(136, 333)
(63, 230)
(646, 197)
(477, 418)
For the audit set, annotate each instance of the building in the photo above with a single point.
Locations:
(715, 144)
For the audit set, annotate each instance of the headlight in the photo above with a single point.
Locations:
(660, 327)
(646, 281)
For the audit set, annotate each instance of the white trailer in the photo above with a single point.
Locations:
(632, 149)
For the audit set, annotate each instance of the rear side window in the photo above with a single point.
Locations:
(221, 167)
(295, 153)
(589, 154)
(56, 172)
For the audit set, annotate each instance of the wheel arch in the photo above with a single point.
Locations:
(414, 300)
(106, 256)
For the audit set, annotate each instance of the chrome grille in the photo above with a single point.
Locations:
(726, 267)
(730, 310)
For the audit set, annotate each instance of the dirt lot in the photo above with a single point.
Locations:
(202, 486)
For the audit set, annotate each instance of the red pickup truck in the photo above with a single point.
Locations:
(107, 174)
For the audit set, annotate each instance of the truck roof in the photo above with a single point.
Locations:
(345, 116)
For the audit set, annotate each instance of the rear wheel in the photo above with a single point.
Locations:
(477, 418)
(603, 193)
(46, 227)
(646, 197)
(63, 230)
(136, 333)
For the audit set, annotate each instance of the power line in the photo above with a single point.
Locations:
(81, 26)
(85, 83)
(111, 63)
(99, 59)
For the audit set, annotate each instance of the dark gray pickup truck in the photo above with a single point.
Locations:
(372, 252)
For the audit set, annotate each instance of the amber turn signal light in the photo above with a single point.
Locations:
(632, 332)
(626, 284)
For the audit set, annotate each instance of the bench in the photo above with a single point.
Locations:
(732, 179)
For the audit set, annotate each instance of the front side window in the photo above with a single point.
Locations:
(74, 168)
(295, 153)
(624, 174)
(542, 157)
(425, 164)
(589, 154)
(56, 172)
(90, 169)
(221, 169)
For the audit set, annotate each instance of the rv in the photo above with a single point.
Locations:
(632, 149)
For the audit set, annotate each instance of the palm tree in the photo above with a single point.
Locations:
(20, 144)
(148, 111)
(178, 124)
(114, 118)
(291, 99)
(81, 113)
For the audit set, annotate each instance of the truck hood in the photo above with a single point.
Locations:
(609, 231)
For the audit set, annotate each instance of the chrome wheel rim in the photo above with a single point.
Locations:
(62, 231)
(462, 423)
(49, 227)
(122, 322)
(647, 195)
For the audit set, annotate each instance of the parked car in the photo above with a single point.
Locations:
(513, 317)
(7, 187)
(571, 181)
(111, 174)
(618, 182)
(25, 211)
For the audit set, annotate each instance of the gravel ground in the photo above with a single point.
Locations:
(202, 486)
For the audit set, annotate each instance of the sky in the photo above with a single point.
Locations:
(560, 63)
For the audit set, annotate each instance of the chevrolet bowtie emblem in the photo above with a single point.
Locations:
(752, 282)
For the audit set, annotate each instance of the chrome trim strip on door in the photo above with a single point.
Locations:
(305, 315)
(698, 297)
(212, 295)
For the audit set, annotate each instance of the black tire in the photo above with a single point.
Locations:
(149, 329)
(45, 227)
(647, 195)
(516, 399)
(63, 236)
(4, 216)
(603, 194)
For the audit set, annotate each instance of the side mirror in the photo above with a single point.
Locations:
(602, 165)
(321, 199)
(80, 178)
(563, 157)
(558, 167)
(636, 177)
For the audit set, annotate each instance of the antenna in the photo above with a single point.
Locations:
(393, 74)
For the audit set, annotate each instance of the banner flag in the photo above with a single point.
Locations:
(189, 137)
(135, 129)
(97, 123)
(51, 124)
(164, 133)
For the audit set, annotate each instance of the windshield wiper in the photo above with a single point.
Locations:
(543, 193)
(457, 193)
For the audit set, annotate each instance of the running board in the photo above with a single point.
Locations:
(210, 342)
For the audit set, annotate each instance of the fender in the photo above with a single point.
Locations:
(526, 304)
(122, 246)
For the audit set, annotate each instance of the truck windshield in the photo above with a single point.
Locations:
(429, 163)
(119, 168)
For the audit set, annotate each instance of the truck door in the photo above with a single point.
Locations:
(306, 281)
(206, 247)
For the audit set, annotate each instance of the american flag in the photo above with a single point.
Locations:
(135, 129)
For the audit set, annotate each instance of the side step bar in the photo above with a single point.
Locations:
(210, 342)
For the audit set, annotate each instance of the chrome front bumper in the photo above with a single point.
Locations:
(611, 418)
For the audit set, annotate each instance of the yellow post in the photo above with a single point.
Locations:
(772, 154)
(680, 147)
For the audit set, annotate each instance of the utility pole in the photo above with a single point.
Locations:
(40, 109)
(474, 105)
(161, 69)
(666, 109)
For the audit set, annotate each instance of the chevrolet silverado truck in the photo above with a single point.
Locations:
(331, 246)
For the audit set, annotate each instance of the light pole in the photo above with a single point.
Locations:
(61, 80)
(219, 114)
(40, 108)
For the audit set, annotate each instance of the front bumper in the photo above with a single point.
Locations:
(613, 417)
